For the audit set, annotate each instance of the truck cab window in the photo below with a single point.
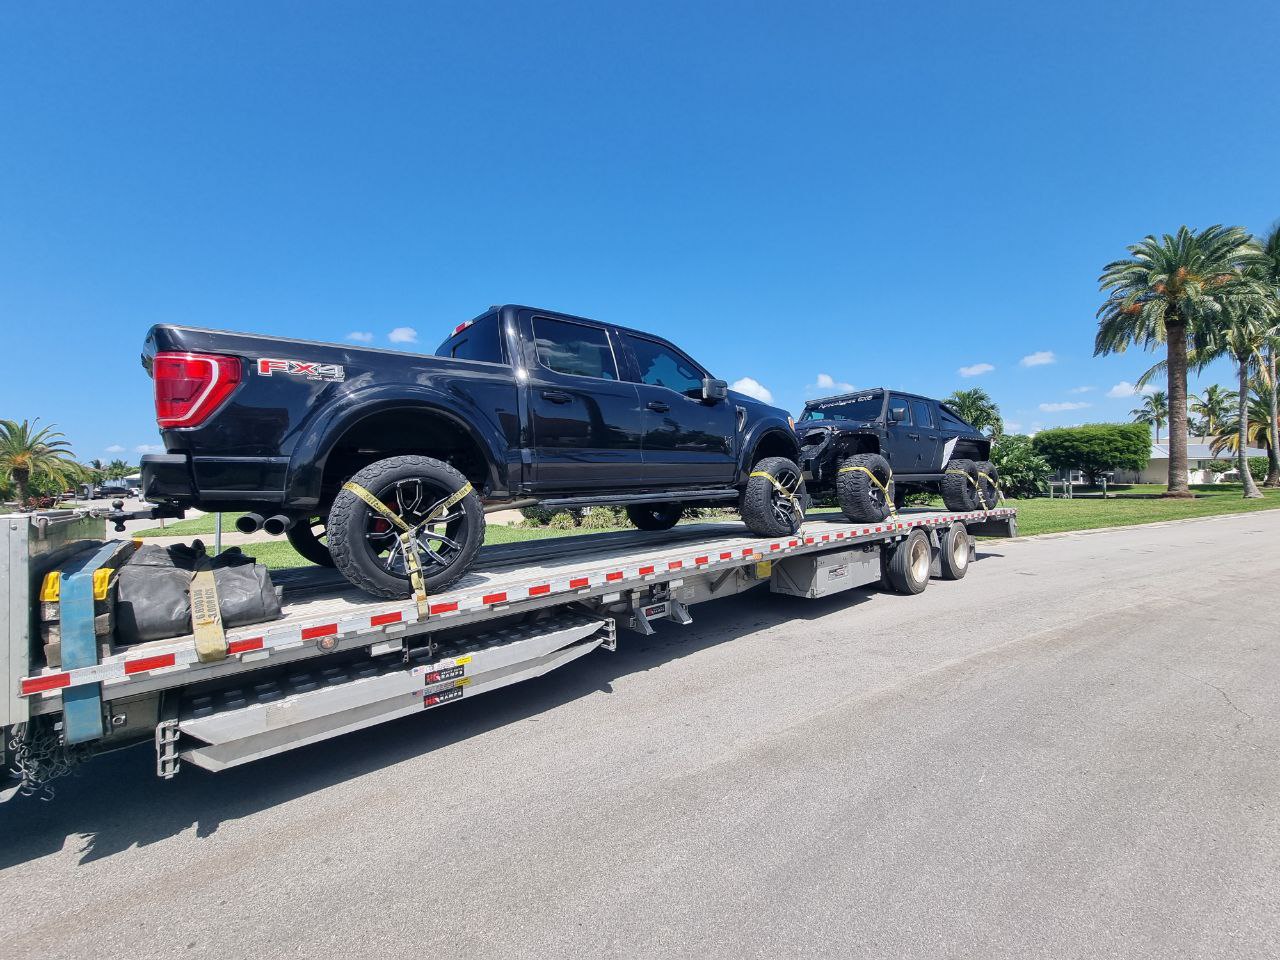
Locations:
(660, 366)
(921, 414)
(482, 341)
(574, 349)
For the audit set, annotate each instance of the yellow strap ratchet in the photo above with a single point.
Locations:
(893, 511)
(408, 536)
(788, 494)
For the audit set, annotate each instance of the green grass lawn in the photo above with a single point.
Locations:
(1128, 505)
(200, 526)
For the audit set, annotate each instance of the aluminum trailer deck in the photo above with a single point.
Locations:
(339, 660)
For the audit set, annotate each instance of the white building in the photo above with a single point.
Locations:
(1199, 456)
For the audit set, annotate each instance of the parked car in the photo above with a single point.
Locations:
(342, 448)
(870, 449)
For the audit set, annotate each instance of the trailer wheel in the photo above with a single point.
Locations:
(772, 502)
(988, 484)
(953, 557)
(908, 567)
(366, 546)
(656, 516)
(959, 486)
(861, 498)
(309, 537)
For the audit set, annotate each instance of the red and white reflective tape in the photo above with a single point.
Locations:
(178, 655)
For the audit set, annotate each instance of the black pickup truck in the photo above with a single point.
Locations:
(870, 449)
(341, 447)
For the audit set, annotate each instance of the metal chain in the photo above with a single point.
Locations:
(39, 756)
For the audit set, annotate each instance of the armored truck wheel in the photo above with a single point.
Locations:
(960, 486)
(772, 501)
(309, 537)
(864, 487)
(988, 485)
(656, 516)
(420, 493)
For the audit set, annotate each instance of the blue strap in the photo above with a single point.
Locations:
(81, 705)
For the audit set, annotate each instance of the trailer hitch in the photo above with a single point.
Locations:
(117, 515)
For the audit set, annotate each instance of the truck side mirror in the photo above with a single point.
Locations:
(713, 391)
(897, 414)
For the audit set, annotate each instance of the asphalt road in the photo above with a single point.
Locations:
(1072, 753)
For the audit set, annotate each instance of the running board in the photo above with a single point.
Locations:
(622, 499)
(244, 724)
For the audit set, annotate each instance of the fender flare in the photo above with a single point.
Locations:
(309, 457)
(757, 433)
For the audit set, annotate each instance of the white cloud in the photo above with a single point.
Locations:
(1038, 359)
(115, 448)
(975, 370)
(1064, 405)
(1082, 389)
(1012, 426)
(362, 336)
(827, 383)
(752, 388)
(148, 448)
(403, 335)
(1126, 389)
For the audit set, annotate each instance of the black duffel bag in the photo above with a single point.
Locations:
(153, 596)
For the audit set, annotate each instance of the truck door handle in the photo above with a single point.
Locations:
(556, 396)
(913, 436)
(657, 406)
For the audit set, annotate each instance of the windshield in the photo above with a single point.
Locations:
(865, 406)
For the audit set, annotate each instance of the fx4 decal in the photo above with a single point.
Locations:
(301, 368)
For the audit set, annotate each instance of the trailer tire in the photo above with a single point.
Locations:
(655, 516)
(909, 562)
(364, 544)
(765, 510)
(959, 486)
(988, 484)
(309, 537)
(953, 553)
(861, 500)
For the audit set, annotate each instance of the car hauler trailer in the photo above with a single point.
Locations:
(338, 660)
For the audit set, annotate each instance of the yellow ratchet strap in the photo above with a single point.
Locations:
(790, 495)
(893, 511)
(982, 501)
(206, 616)
(408, 538)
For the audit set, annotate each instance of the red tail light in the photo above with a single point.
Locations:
(191, 386)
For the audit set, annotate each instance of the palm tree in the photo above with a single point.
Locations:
(1269, 269)
(1257, 424)
(1168, 291)
(1213, 407)
(28, 450)
(1153, 412)
(117, 469)
(976, 408)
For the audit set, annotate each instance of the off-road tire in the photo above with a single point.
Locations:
(953, 553)
(908, 567)
(347, 518)
(860, 499)
(655, 516)
(758, 498)
(959, 492)
(304, 538)
(989, 484)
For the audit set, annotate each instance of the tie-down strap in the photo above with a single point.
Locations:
(408, 535)
(884, 487)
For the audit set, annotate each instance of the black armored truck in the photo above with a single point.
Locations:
(384, 463)
(868, 450)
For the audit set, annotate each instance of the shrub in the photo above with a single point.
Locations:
(1095, 448)
(1022, 472)
(562, 520)
(605, 518)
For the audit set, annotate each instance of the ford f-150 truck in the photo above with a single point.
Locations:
(383, 463)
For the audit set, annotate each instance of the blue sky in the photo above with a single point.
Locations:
(890, 193)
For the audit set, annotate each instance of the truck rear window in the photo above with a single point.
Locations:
(482, 341)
